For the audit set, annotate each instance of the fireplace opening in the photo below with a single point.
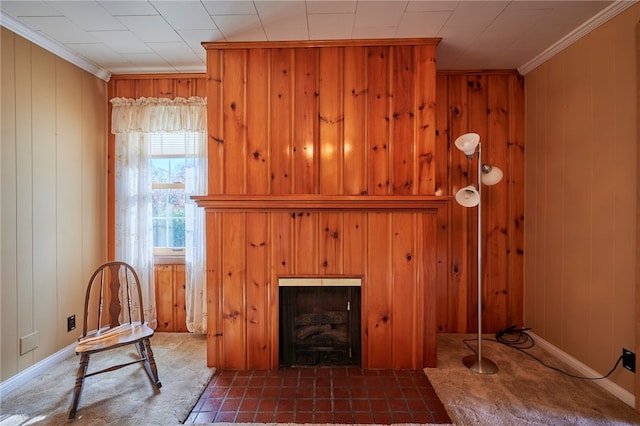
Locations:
(319, 324)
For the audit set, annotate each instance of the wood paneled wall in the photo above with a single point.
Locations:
(370, 133)
(492, 105)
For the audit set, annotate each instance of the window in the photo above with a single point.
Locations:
(168, 175)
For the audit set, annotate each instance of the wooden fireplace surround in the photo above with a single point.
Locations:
(398, 245)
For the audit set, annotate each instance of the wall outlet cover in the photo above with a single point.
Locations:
(71, 323)
(29, 342)
(629, 360)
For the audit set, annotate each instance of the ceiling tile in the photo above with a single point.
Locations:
(379, 14)
(431, 6)
(185, 15)
(121, 41)
(130, 8)
(150, 28)
(194, 38)
(374, 32)
(422, 24)
(87, 15)
(96, 52)
(60, 29)
(234, 7)
(331, 6)
(240, 27)
(29, 8)
(283, 20)
(331, 26)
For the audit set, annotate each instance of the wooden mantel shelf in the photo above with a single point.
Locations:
(320, 202)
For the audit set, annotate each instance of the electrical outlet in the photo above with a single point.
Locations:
(629, 360)
(71, 323)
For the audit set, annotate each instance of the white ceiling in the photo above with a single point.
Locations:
(118, 37)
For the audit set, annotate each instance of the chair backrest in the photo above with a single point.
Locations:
(113, 297)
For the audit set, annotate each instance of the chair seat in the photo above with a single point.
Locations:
(107, 338)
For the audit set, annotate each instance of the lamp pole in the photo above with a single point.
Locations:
(473, 362)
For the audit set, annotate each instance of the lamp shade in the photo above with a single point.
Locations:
(467, 143)
(491, 174)
(468, 196)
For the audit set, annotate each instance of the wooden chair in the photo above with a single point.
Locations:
(114, 286)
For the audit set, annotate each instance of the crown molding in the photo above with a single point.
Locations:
(606, 14)
(54, 47)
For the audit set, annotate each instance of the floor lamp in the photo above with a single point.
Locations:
(470, 196)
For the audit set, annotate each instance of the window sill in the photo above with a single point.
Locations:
(177, 259)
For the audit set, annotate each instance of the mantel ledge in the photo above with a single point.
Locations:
(320, 202)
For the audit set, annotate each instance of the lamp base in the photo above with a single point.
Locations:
(482, 366)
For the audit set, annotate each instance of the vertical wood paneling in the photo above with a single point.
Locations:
(477, 121)
(378, 120)
(280, 108)
(164, 297)
(215, 148)
(403, 118)
(146, 88)
(234, 237)
(258, 342)
(305, 121)
(44, 167)
(22, 201)
(330, 241)
(515, 170)
(432, 273)
(282, 244)
(69, 148)
(355, 243)
(164, 87)
(431, 174)
(378, 323)
(404, 291)
(306, 242)
(492, 105)
(53, 151)
(258, 179)
(461, 175)
(359, 120)
(331, 120)
(214, 288)
(234, 110)
(179, 298)
(355, 112)
(494, 206)
(443, 185)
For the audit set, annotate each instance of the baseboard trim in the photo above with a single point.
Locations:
(614, 389)
(15, 382)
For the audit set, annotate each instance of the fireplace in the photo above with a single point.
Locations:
(319, 321)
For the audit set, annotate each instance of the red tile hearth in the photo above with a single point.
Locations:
(319, 395)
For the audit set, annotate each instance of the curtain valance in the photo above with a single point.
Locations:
(159, 115)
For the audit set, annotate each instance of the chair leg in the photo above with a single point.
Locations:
(144, 349)
(77, 390)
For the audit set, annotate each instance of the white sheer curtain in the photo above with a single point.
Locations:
(132, 120)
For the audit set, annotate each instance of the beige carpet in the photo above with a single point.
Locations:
(122, 397)
(523, 392)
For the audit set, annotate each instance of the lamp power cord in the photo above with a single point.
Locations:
(519, 339)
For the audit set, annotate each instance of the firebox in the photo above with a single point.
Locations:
(319, 321)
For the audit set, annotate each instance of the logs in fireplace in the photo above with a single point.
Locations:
(319, 325)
